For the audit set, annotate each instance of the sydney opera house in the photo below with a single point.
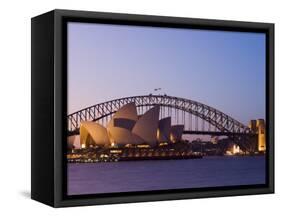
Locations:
(128, 128)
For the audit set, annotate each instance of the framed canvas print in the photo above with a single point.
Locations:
(130, 108)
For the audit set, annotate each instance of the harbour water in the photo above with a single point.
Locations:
(92, 178)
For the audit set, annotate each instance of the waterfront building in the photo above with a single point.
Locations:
(126, 127)
(176, 133)
(73, 142)
(261, 135)
(258, 126)
(164, 130)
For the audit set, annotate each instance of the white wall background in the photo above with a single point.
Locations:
(15, 106)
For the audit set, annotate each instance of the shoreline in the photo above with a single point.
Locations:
(157, 158)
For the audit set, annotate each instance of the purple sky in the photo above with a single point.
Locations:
(225, 70)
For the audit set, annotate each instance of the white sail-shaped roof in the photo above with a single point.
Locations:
(95, 131)
(164, 130)
(121, 124)
(176, 133)
(147, 125)
(122, 136)
(73, 141)
(128, 111)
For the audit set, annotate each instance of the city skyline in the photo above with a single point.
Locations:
(225, 70)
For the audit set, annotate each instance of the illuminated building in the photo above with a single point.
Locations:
(258, 126)
(147, 125)
(176, 133)
(128, 128)
(164, 130)
(92, 133)
(261, 135)
(73, 142)
(253, 125)
(125, 117)
(120, 126)
(235, 149)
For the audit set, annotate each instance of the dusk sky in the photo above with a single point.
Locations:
(225, 70)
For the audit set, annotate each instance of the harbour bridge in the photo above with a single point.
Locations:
(197, 118)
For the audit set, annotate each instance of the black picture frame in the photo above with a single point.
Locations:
(49, 98)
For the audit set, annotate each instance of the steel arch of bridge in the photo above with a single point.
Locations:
(218, 119)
